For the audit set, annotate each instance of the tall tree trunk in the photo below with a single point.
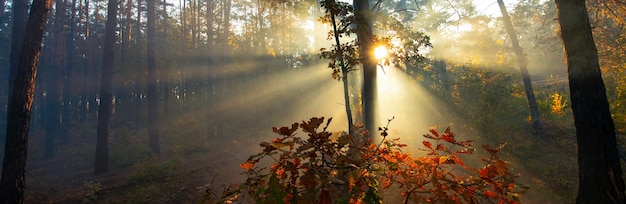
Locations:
(366, 41)
(210, 77)
(192, 8)
(183, 23)
(153, 94)
(226, 29)
(442, 73)
(209, 25)
(260, 37)
(54, 96)
(70, 75)
(88, 84)
(14, 163)
(165, 73)
(600, 173)
(125, 47)
(521, 61)
(139, 71)
(20, 15)
(183, 79)
(106, 91)
(127, 31)
(3, 6)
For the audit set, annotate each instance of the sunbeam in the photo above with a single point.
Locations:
(414, 109)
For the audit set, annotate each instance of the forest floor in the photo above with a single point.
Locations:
(50, 181)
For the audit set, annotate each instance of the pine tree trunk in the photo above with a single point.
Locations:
(153, 94)
(14, 163)
(20, 15)
(54, 96)
(600, 173)
(106, 91)
(70, 74)
(209, 25)
(521, 61)
(139, 71)
(166, 71)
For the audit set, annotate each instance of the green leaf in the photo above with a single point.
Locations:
(372, 196)
(274, 192)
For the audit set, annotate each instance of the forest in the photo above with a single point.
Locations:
(312, 101)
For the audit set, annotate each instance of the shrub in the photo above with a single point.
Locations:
(152, 171)
(322, 168)
(92, 191)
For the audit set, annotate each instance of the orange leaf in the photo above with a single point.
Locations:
(490, 194)
(247, 165)
(500, 166)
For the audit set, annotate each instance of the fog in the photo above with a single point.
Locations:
(229, 71)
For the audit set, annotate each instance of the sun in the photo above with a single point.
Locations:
(380, 52)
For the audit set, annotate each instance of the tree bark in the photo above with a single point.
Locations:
(127, 31)
(600, 173)
(166, 70)
(366, 42)
(54, 96)
(153, 95)
(20, 15)
(521, 61)
(70, 74)
(14, 164)
(106, 91)
(139, 71)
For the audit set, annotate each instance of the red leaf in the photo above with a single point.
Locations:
(440, 147)
(487, 173)
(285, 131)
(490, 149)
(448, 138)
(435, 133)
(428, 144)
(458, 160)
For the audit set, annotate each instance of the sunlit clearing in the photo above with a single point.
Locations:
(380, 52)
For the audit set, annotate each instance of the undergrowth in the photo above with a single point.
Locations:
(322, 168)
(153, 170)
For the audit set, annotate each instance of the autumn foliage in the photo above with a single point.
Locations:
(325, 168)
